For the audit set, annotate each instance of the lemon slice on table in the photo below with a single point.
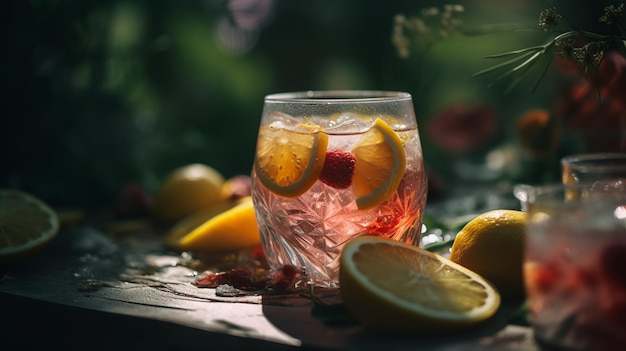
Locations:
(390, 285)
(379, 167)
(289, 162)
(27, 224)
(233, 229)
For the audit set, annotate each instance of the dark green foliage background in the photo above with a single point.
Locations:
(98, 94)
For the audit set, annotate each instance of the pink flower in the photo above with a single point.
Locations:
(612, 76)
(462, 127)
(596, 107)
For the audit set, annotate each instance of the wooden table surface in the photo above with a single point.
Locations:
(92, 290)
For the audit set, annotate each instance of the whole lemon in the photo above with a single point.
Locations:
(186, 190)
(492, 245)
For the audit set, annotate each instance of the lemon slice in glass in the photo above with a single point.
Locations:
(288, 162)
(379, 167)
(390, 285)
(27, 224)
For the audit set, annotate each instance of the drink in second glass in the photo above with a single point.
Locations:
(574, 267)
(331, 166)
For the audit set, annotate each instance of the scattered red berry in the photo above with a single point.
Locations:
(612, 263)
(237, 187)
(132, 201)
(338, 169)
(240, 278)
(285, 278)
(258, 253)
(249, 279)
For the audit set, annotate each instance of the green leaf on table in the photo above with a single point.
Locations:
(520, 315)
(432, 222)
(434, 247)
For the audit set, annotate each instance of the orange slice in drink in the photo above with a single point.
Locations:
(379, 167)
(288, 162)
(390, 285)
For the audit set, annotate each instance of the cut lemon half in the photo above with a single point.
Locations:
(233, 229)
(390, 285)
(289, 162)
(379, 167)
(27, 224)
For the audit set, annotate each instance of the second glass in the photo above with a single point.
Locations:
(594, 167)
(333, 165)
(574, 267)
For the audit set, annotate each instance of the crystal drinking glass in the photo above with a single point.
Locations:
(333, 165)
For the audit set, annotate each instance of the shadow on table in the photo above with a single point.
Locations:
(45, 302)
(332, 327)
(34, 324)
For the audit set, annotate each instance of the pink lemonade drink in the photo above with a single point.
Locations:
(331, 166)
(575, 270)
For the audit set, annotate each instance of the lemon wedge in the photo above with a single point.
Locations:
(232, 229)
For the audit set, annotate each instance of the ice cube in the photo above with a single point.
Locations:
(282, 120)
(349, 122)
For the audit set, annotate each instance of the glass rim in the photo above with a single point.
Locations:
(580, 161)
(524, 191)
(338, 96)
(551, 187)
(544, 192)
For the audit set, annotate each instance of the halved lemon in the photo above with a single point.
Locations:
(379, 167)
(289, 162)
(233, 229)
(27, 224)
(390, 285)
